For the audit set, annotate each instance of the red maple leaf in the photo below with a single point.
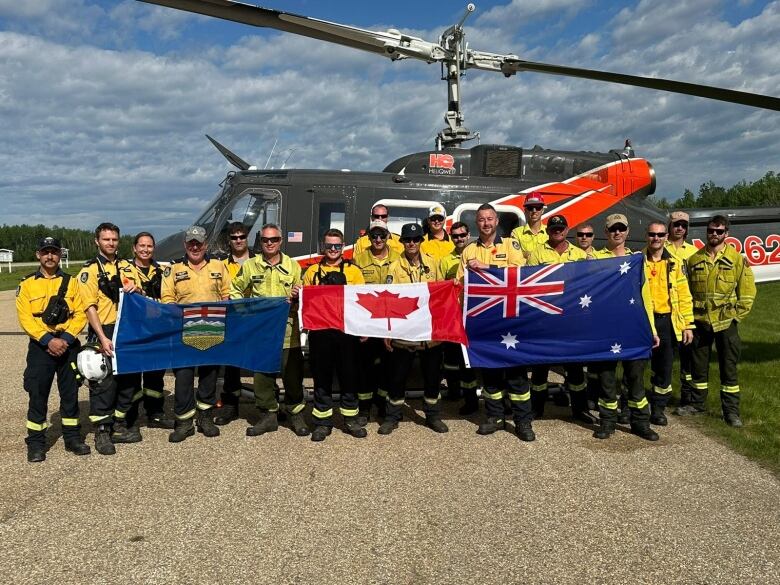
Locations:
(387, 305)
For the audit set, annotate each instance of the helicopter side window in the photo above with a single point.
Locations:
(403, 211)
(508, 218)
(254, 208)
(331, 216)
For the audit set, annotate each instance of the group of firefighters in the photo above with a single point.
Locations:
(693, 298)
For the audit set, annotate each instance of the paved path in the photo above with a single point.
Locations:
(414, 507)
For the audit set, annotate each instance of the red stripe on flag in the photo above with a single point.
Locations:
(323, 307)
(446, 318)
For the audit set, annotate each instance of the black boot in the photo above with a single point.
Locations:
(125, 434)
(605, 431)
(644, 431)
(657, 415)
(490, 426)
(538, 398)
(206, 424)
(103, 444)
(227, 414)
(579, 407)
(387, 426)
(320, 433)
(159, 420)
(77, 446)
(268, 423)
(298, 424)
(433, 421)
(364, 411)
(524, 431)
(36, 453)
(352, 427)
(182, 429)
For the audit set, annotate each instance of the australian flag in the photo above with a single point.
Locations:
(246, 333)
(584, 311)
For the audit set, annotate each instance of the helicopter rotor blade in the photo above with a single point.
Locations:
(511, 65)
(231, 156)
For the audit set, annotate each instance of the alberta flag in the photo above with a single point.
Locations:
(584, 311)
(246, 333)
(412, 312)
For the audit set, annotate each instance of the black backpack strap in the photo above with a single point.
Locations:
(63, 286)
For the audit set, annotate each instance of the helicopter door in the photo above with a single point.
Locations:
(333, 206)
(509, 217)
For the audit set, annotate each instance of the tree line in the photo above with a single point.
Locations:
(23, 240)
(765, 192)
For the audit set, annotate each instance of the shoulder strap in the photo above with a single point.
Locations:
(63, 285)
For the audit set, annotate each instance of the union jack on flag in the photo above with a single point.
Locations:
(585, 311)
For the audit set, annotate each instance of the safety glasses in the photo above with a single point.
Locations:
(717, 231)
(584, 234)
(333, 246)
(271, 240)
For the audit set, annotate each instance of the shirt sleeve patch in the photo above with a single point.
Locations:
(84, 277)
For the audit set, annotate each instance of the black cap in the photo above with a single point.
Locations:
(49, 242)
(411, 231)
(557, 221)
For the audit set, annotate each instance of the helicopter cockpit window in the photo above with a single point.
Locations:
(332, 215)
(254, 208)
(509, 218)
(403, 211)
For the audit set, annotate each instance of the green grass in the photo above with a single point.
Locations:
(9, 281)
(759, 382)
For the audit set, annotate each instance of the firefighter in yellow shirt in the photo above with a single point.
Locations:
(492, 251)
(332, 351)
(231, 387)
(372, 357)
(533, 233)
(274, 274)
(723, 290)
(584, 239)
(194, 279)
(413, 267)
(437, 243)
(378, 213)
(557, 250)
(672, 313)
(51, 312)
(100, 281)
(143, 275)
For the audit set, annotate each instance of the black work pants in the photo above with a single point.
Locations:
(134, 388)
(401, 360)
(185, 399)
(373, 367)
(685, 373)
(292, 378)
(333, 352)
(633, 378)
(513, 380)
(38, 377)
(661, 361)
(729, 347)
(460, 379)
(103, 394)
(231, 385)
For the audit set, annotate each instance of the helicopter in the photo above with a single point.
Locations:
(582, 186)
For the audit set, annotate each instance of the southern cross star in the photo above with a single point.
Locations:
(585, 301)
(631, 301)
(624, 268)
(509, 340)
(616, 348)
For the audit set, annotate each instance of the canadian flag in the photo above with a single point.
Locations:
(412, 312)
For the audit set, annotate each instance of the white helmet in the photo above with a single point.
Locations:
(92, 364)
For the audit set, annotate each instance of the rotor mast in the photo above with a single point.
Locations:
(453, 41)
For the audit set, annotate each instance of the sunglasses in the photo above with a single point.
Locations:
(378, 236)
(271, 240)
(333, 246)
(411, 241)
(378, 216)
(680, 224)
(584, 234)
(617, 228)
(656, 234)
(436, 218)
(459, 236)
(534, 207)
(717, 231)
(238, 237)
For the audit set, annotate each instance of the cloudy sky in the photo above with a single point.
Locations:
(104, 104)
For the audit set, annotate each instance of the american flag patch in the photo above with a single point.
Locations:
(294, 237)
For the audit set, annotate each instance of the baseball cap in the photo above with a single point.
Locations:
(616, 218)
(411, 230)
(557, 221)
(679, 216)
(377, 224)
(534, 198)
(196, 233)
(434, 210)
(49, 242)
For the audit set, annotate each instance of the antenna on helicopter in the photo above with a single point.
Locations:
(270, 154)
(453, 43)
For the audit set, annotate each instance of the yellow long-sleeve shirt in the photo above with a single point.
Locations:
(32, 298)
(184, 284)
